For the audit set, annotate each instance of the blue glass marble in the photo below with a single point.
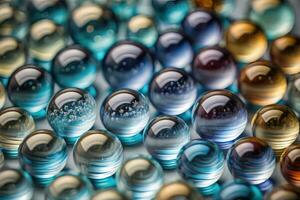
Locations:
(31, 88)
(13, 21)
(94, 27)
(125, 113)
(238, 189)
(170, 11)
(163, 138)
(43, 155)
(128, 65)
(67, 186)
(173, 49)
(201, 163)
(219, 116)
(252, 160)
(124, 9)
(15, 125)
(15, 184)
(172, 91)
(203, 27)
(74, 66)
(56, 10)
(98, 154)
(1, 159)
(109, 194)
(140, 178)
(71, 112)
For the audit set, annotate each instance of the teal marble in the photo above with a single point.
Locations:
(124, 9)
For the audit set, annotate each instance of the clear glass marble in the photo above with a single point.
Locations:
(2, 95)
(15, 125)
(109, 194)
(164, 136)
(98, 154)
(71, 112)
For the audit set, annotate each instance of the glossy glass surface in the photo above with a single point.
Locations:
(261, 83)
(128, 65)
(203, 27)
(74, 66)
(140, 178)
(1, 159)
(220, 116)
(172, 91)
(223, 7)
(277, 125)
(31, 88)
(286, 192)
(214, 68)
(2, 95)
(294, 94)
(163, 138)
(109, 194)
(15, 184)
(43, 155)
(71, 112)
(124, 9)
(15, 125)
(246, 41)
(173, 49)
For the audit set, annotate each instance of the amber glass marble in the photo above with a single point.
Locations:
(285, 53)
(261, 83)
(290, 164)
(286, 192)
(277, 125)
(246, 41)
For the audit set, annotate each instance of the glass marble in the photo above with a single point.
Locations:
(125, 113)
(98, 154)
(285, 53)
(142, 28)
(15, 125)
(13, 21)
(178, 190)
(164, 136)
(67, 186)
(286, 192)
(237, 189)
(31, 88)
(140, 178)
(253, 160)
(128, 64)
(275, 17)
(201, 163)
(203, 28)
(94, 27)
(261, 83)
(173, 49)
(1, 159)
(223, 7)
(15, 184)
(44, 41)
(220, 116)
(71, 112)
(172, 91)
(246, 41)
(294, 94)
(43, 155)
(277, 125)
(56, 10)
(214, 68)
(109, 194)
(290, 164)
(12, 56)
(2, 95)
(170, 11)
(74, 66)
(124, 9)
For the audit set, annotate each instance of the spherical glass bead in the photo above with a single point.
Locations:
(109, 194)
(125, 113)
(222, 7)
(214, 68)
(277, 125)
(15, 184)
(98, 154)
(172, 91)
(15, 125)
(128, 65)
(31, 88)
(124, 9)
(2, 95)
(261, 83)
(286, 192)
(43, 155)
(220, 116)
(173, 49)
(294, 94)
(71, 112)
(140, 178)
(246, 41)
(163, 138)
